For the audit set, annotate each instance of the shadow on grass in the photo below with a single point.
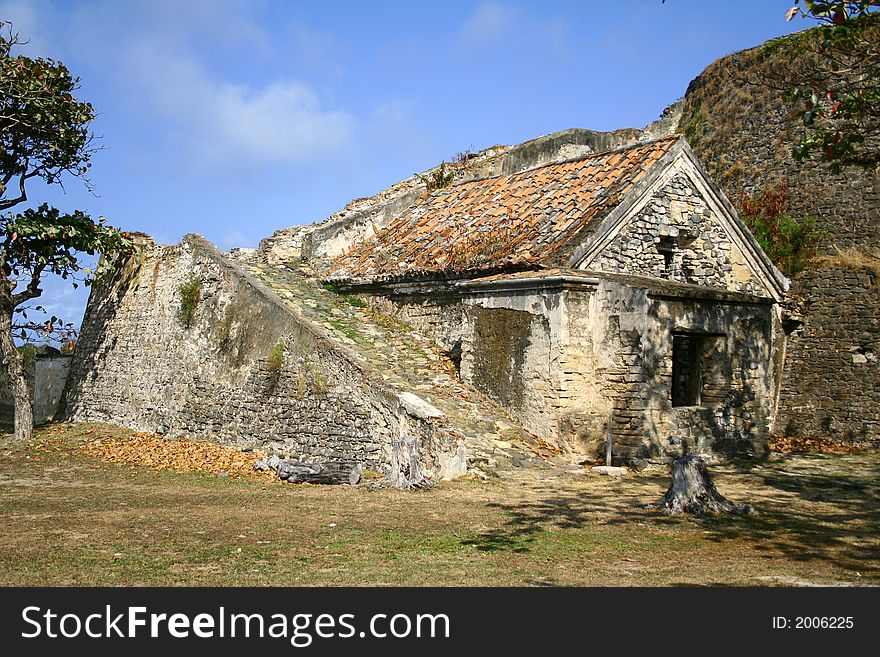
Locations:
(568, 511)
(836, 516)
(834, 519)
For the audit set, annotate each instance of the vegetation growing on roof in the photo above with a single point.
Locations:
(350, 299)
(469, 226)
(474, 251)
(438, 178)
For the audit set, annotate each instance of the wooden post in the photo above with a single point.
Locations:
(609, 439)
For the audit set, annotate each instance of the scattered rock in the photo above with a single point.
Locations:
(418, 407)
(609, 470)
(270, 463)
(455, 465)
(637, 464)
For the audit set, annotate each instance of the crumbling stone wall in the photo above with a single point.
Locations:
(245, 372)
(510, 347)
(434, 313)
(678, 237)
(502, 344)
(497, 351)
(571, 360)
(830, 387)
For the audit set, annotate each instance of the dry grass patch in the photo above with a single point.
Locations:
(850, 258)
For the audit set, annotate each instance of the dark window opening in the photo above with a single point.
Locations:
(666, 248)
(686, 370)
(454, 355)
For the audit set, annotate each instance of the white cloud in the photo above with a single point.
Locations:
(196, 75)
(223, 123)
(489, 24)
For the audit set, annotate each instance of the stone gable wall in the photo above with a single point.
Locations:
(701, 252)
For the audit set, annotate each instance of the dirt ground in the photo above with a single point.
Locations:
(72, 518)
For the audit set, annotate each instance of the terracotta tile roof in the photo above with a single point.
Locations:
(516, 220)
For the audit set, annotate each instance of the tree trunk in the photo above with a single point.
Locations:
(692, 490)
(331, 472)
(13, 364)
(405, 473)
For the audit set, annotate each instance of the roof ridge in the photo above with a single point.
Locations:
(611, 151)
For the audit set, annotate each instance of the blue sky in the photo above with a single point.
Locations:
(234, 118)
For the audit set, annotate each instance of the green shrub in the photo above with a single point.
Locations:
(788, 241)
(190, 293)
(275, 363)
(438, 178)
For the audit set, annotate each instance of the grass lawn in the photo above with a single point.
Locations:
(72, 519)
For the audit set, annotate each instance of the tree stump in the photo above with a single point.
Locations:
(330, 472)
(405, 473)
(692, 490)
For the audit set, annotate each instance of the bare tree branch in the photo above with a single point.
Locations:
(32, 291)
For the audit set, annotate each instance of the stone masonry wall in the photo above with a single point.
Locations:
(569, 362)
(831, 388)
(617, 368)
(741, 128)
(677, 237)
(246, 371)
(510, 351)
(438, 316)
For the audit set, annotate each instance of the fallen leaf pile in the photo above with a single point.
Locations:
(177, 455)
(541, 447)
(798, 444)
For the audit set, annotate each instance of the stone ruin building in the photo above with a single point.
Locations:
(575, 290)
